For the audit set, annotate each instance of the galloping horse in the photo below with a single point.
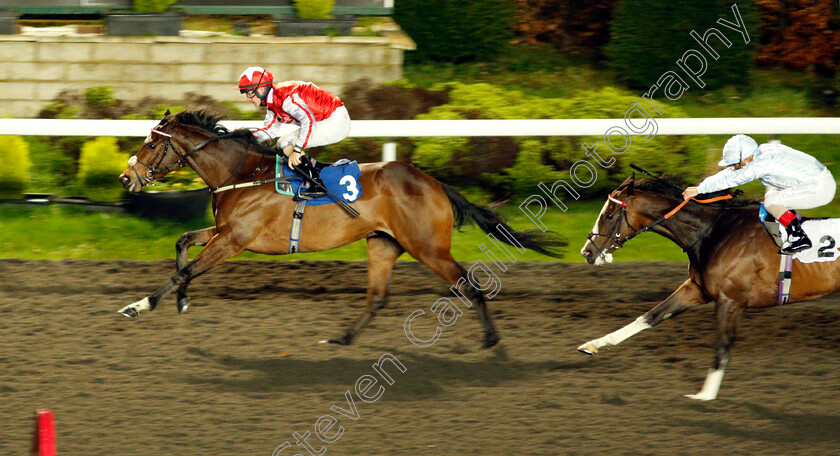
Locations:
(402, 210)
(733, 262)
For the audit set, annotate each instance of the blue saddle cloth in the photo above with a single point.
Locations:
(341, 179)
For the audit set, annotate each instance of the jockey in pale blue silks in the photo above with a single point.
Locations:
(794, 180)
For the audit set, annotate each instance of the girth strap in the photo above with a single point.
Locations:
(785, 277)
(294, 234)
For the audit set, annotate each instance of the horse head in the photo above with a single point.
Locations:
(173, 144)
(653, 204)
(156, 157)
(610, 226)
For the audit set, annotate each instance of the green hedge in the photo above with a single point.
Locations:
(512, 167)
(648, 38)
(456, 30)
(313, 9)
(14, 172)
(100, 164)
(152, 6)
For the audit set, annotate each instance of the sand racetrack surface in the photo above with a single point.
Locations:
(242, 371)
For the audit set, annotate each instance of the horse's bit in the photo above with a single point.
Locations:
(153, 169)
(615, 232)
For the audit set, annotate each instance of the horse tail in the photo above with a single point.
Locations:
(548, 243)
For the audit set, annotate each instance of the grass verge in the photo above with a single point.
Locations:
(55, 232)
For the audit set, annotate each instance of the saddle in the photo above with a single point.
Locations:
(340, 178)
(823, 232)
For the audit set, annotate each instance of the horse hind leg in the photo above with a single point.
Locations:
(728, 315)
(448, 269)
(187, 240)
(383, 252)
(685, 297)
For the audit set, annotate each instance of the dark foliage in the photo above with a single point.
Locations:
(455, 30)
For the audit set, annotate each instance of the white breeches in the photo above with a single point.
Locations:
(328, 131)
(816, 194)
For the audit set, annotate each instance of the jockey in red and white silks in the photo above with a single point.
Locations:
(322, 117)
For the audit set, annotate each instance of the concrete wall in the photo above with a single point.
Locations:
(33, 70)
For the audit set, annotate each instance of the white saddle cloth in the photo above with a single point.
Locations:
(825, 237)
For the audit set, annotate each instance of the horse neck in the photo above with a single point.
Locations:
(686, 227)
(218, 161)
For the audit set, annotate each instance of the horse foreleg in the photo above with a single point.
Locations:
(182, 247)
(685, 297)
(728, 315)
(217, 250)
(382, 254)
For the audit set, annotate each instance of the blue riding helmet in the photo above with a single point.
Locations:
(736, 149)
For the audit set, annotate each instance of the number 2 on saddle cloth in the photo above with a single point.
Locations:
(823, 231)
(341, 178)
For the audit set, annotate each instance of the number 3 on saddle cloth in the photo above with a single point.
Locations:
(341, 179)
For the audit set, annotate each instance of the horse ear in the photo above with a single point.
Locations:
(166, 113)
(628, 182)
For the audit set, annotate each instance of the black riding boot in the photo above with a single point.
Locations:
(310, 175)
(797, 240)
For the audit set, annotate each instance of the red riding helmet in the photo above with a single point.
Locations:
(254, 77)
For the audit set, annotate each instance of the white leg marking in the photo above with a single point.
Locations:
(614, 338)
(710, 387)
(132, 310)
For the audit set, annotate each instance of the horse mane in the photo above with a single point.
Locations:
(209, 122)
(669, 186)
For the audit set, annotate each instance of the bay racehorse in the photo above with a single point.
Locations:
(401, 210)
(732, 261)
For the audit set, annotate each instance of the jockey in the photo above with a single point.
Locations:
(793, 179)
(322, 118)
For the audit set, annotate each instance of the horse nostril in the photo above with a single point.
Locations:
(124, 179)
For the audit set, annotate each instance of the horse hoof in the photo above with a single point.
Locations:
(588, 349)
(183, 305)
(128, 312)
(133, 310)
(491, 340)
(343, 340)
(700, 397)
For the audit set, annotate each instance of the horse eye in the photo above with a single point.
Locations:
(609, 216)
(152, 146)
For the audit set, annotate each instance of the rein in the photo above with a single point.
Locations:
(154, 168)
(672, 212)
(615, 233)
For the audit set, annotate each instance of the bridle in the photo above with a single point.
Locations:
(154, 169)
(615, 232)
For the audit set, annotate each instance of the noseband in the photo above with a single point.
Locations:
(154, 169)
(615, 232)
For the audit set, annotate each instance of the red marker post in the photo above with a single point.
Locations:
(43, 441)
